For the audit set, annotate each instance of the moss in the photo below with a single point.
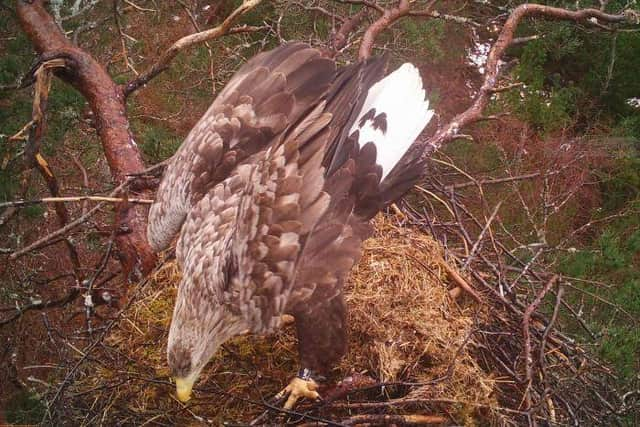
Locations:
(621, 346)
(424, 37)
(473, 157)
(33, 211)
(158, 143)
(614, 258)
(25, 408)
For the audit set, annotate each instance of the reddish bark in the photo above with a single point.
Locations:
(389, 16)
(339, 39)
(107, 101)
(193, 39)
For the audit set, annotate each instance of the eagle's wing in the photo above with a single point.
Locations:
(291, 198)
(266, 96)
(252, 225)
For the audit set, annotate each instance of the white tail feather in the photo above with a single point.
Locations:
(401, 97)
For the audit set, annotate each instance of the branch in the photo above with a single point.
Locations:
(70, 226)
(339, 39)
(389, 16)
(185, 42)
(444, 16)
(526, 320)
(34, 158)
(505, 39)
(106, 99)
(462, 283)
(21, 203)
(41, 305)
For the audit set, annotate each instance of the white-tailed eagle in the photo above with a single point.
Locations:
(271, 194)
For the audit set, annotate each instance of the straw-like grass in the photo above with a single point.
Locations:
(404, 327)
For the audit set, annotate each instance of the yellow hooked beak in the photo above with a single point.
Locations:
(183, 388)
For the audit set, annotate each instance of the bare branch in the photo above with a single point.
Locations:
(474, 112)
(64, 230)
(339, 39)
(20, 203)
(389, 16)
(108, 104)
(527, 338)
(193, 39)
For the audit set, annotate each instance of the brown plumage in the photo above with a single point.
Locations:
(271, 195)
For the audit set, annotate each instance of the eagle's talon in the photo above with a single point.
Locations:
(298, 388)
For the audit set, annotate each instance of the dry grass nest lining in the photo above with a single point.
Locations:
(403, 327)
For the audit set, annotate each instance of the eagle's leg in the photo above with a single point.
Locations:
(322, 341)
(300, 386)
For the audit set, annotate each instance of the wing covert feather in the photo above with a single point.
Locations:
(267, 95)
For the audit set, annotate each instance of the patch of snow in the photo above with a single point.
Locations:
(478, 55)
(634, 102)
(479, 52)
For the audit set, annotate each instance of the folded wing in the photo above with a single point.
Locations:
(268, 94)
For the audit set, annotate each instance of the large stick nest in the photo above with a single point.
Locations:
(405, 330)
(417, 356)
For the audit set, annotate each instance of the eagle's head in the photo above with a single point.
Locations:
(199, 326)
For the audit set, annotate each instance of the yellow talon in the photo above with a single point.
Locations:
(298, 388)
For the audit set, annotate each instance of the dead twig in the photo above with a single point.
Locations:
(165, 59)
(526, 320)
(64, 230)
(453, 274)
(386, 419)
(22, 203)
(476, 245)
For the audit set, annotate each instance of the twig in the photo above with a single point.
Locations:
(123, 36)
(223, 29)
(497, 180)
(549, 328)
(453, 274)
(89, 349)
(70, 226)
(41, 305)
(526, 319)
(85, 180)
(405, 420)
(21, 203)
(476, 245)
